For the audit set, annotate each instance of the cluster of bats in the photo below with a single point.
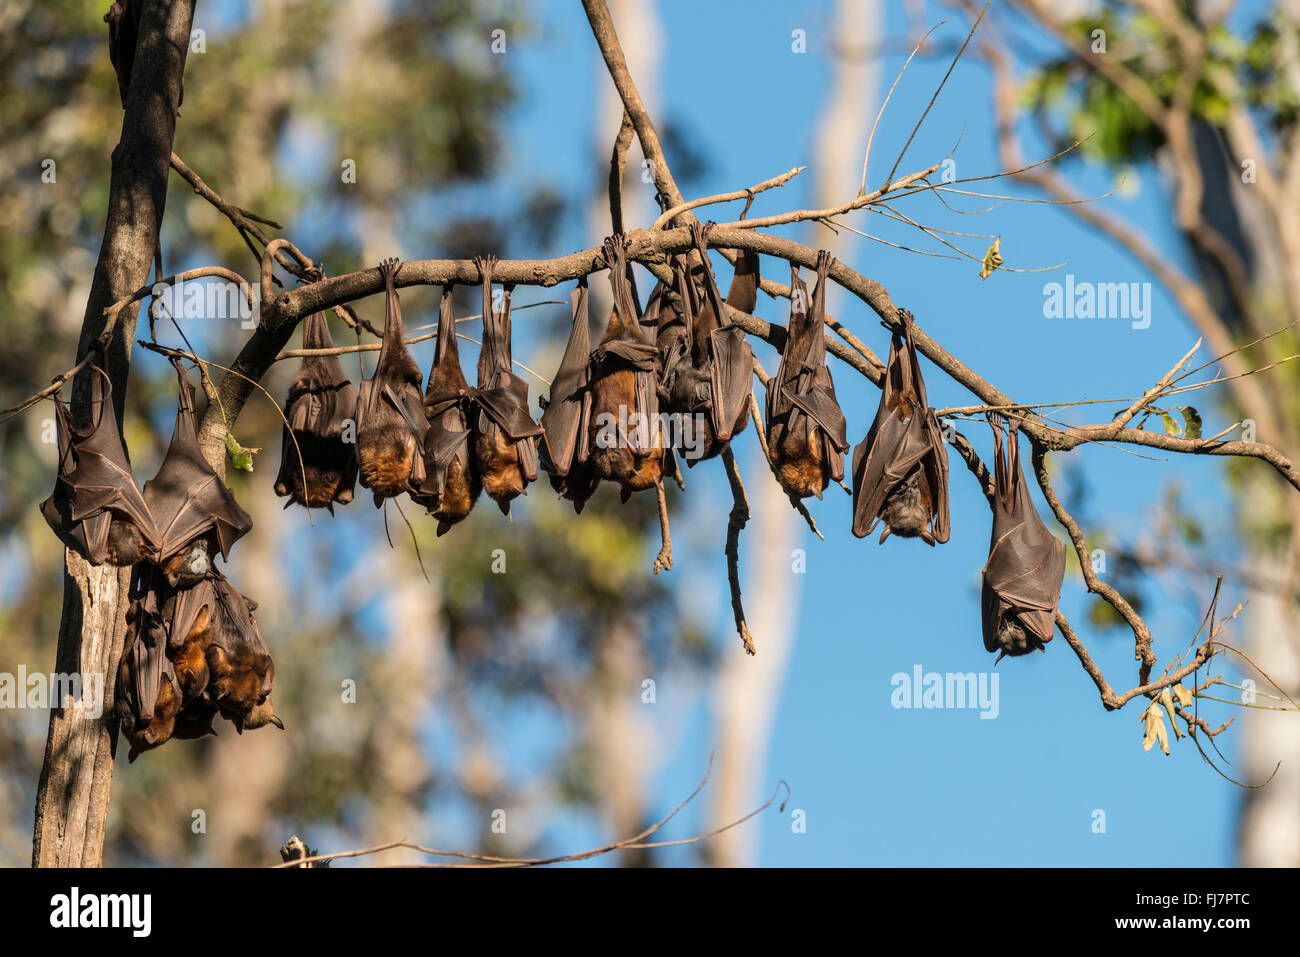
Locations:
(684, 356)
(193, 650)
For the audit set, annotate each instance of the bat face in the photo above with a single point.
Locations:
(96, 509)
(187, 500)
(1026, 566)
(505, 436)
(900, 470)
(805, 425)
(451, 484)
(321, 404)
(390, 419)
(189, 566)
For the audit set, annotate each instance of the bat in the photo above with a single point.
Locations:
(148, 695)
(900, 470)
(195, 514)
(321, 411)
(192, 618)
(96, 508)
(390, 417)
(706, 365)
(241, 672)
(1026, 566)
(451, 485)
(567, 410)
(805, 426)
(505, 435)
(622, 441)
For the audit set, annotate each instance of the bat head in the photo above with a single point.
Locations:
(126, 546)
(1013, 639)
(905, 511)
(190, 565)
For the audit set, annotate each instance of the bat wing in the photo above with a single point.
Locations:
(507, 406)
(732, 378)
(187, 606)
(818, 402)
(1026, 564)
(936, 469)
(142, 660)
(881, 461)
(562, 421)
(186, 498)
(95, 480)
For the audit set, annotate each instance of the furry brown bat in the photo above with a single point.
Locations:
(452, 484)
(148, 694)
(706, 366)
(900, 470)
(505, 435)
(96, 508)
(322, 403)
(1026, 566)
(622, 441)
(390, 416)
(241, 672)
(195, 514)
(568, 409)
(192, 617)
(805, 426)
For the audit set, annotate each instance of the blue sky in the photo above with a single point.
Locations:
(914, 787)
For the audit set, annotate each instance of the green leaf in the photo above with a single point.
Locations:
(1193, 420)
(1171, 427)
(240, 457)
(1184, 696)
(992, 259)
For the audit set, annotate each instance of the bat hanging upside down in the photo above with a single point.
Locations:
(452, 484)
(390, 416)
(196, 515)
(1026, 566)
(318, 455)
(900, 470)
(96, 508)
(505, 435)
(805, 425)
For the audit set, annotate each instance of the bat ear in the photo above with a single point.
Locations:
(885, 534)
(275, 720)
(505, 507)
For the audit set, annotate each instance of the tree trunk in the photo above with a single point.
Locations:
(73, 794)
